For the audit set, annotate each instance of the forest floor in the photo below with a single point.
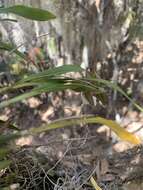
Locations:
(66, 158)
(75, 154)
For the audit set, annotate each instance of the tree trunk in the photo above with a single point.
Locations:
(82, 27)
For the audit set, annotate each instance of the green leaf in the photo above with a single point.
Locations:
(5, 188)
(53, 72)
(121, 132)
(10, 47)
(4, 164)
(17, 86)
(51, 81)
(29, 12)
(19, 98)
(3, 152)
(5, 139)
(114, 86)
(53, 85)
(36, 91)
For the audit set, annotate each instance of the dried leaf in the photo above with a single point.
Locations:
(94, 184)
(120, 131)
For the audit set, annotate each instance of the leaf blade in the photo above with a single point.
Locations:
(9, 47)
(53, 72)
(4, 164)
(121, 132)
(94, 184)
(3, 152)
(29, 12)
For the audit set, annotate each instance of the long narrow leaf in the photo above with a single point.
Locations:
(4, 164)
(5, 139)
(3, 152)
(55, 72)
(113, 86)
(9, 47)
(29, 12)
(94, 184)
(121, 132)
(49, 86)
(18, 86)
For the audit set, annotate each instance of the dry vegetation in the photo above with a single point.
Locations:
(67, 158)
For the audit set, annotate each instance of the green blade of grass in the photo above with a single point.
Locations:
(4, 139)
(11, 48)
(29, 12)
(49, 86)
(3, 152)
(53, 72)
(4, 164)
(114, 86)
